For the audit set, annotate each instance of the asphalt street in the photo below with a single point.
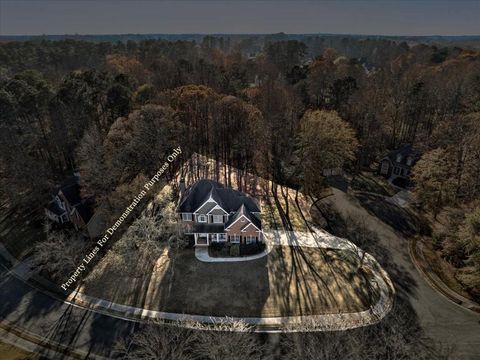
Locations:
(447, 323)
(51, 320)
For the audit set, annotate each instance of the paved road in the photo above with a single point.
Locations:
(442, 320)
(41, 315)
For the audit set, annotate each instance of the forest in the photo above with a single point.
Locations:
(284, 109)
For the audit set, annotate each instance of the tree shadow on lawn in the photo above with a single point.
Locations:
(319, 281)
(127, 286)
(315, 280)
(357, 232)
(189, 286)
(398, 335)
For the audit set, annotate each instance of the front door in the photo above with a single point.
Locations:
(201, 239)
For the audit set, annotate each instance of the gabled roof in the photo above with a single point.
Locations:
(230, 200)
(55, 208)
(196, 195)
(70, 189)
(243, 211)
(405, 151)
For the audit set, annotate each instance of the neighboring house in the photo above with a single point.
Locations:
(214, 213)
(396, 165)
(67, 205)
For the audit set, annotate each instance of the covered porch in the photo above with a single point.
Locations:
(205, 239)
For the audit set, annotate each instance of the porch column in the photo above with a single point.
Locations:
(217, 237)
(195, 236)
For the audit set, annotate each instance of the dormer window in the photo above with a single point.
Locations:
(399, 158)
(409, 161)
(202, 218)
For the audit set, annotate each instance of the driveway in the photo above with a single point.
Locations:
(442, 320)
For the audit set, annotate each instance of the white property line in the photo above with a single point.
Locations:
(324, 322)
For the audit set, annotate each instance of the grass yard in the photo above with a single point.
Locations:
(289, 281)
(11, 352)
(368, 182)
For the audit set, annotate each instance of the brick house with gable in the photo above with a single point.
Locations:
(67, 205)
(215, 213)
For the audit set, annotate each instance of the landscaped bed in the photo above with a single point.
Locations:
(220, 250)
(289, 281)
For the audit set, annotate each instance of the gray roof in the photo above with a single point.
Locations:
(208, 228)
(405, 151)
(230, 200)
(55, 208)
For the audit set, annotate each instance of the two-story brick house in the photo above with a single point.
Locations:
(214, 213)
(67, 205)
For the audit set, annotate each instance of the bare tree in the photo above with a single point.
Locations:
(157, 341)
(60, 253)
(226, 339)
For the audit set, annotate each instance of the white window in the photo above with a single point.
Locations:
(186, 216)
(202, 218)
(250, 239)
(235, 239)
(217, 219)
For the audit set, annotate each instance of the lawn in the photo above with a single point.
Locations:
(368, 182)
(11, 352)
(289, 281)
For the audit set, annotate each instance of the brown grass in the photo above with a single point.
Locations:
(289, 281)
(11, 352)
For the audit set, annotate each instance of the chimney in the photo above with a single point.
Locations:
(181, 186)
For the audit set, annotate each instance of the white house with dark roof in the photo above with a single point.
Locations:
(215, 213)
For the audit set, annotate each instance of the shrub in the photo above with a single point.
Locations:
(235, 250)
(217, 246)
(251, 249)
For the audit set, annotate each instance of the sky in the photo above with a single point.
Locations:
(401, 17)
